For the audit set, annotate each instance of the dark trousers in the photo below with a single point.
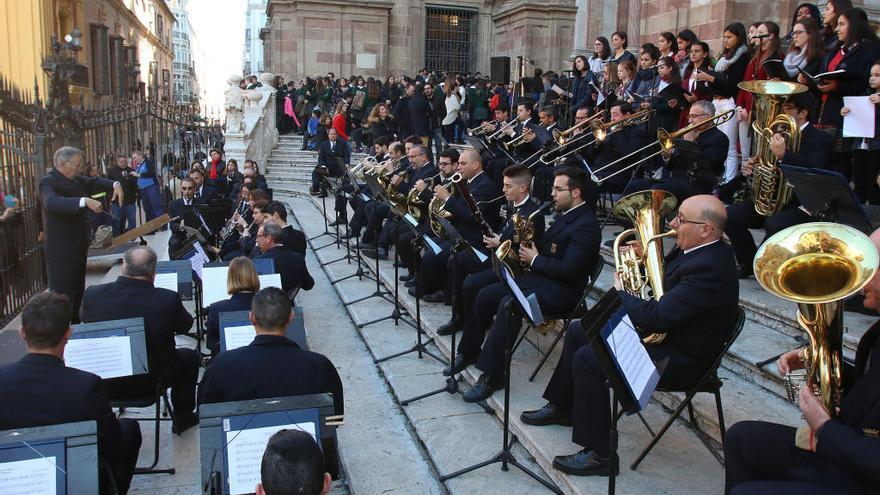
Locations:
(389, 231)
(182, 381)
(742, 216)
(866, 165)
(463, 265)
(431, 276)
(68, 278)
(680, 187)
(359, 217)
(123, 467)
(151, 201)
(474, 320)
(408, 256)
(761, 458)
(376, 213)
(560, 388)
(543, 183)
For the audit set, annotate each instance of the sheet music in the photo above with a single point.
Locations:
(239, 336)
(107, 357)
(166, 281)
(431, 244)
(270, 280)
(520, 297)
(412, 221)
(214, 284)
(28, 477)
(198, 260)
(480, 256)
(859, 122)
(245, 453)
(630, 354)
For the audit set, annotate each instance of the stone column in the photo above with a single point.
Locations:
(580, 46)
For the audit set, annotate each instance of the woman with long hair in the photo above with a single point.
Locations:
(699, 90)
(722, 81)
(626, 72)
(381, 123)
(601, 55)
(767, 48)
(667, 111)
(582, 95)
(806, 50)
(619, 44)
(684, 40)
(803, 11)
(833, 10)
(242, 283)
(340, 120)
(666, 45)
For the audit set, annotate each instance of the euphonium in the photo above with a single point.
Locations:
(435, 207)
(817, 265)
(524, 233)
(769, 191)
(643, 276)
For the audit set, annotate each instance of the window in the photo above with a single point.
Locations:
(451, 39)
(100, 59)
(118, 69)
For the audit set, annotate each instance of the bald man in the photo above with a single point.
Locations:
(697, 312)
(763, 458)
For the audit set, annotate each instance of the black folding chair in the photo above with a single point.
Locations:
(578, 311)
(158, 398)
(709, 383)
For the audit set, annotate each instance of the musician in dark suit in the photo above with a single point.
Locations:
(334, 156)
(246, 244)
(203, 192)
(175, 211)
(620, 143)
(481, 188)
(242, 282)
(814, 152)
(294, 239)
(558, 268)
(763, 458)
(39, 390)
(132, 295)
(272, 365)
(65, 195)
(530, 135)
(475, 274)
(289, 264)
(697, 312)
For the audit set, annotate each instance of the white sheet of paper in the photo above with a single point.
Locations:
(245, 449)
(859, 122)
(239, 336)
(107, 357)
(630, 353)
(198, 260)
(28, 477)
(214, 285)
(270, 280)
(519, 294)
(166, 281)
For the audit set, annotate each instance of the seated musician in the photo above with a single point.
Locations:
(814, 152)
(133, 295)
(696, 165)
(203, 192)
(246, 244)
(175, 211)
(293, 463)
(766, 458)
(376, 211)
(333, 156)
(619, 143)
(697, 312)
(242, 282)
(420, 167)
(447, 163)
(396, 154)
(40, 390)
(471, 275)
(528, 133)
(432, 275)
(558, 269)
(272, 365)
(288, 263)
(294, 239)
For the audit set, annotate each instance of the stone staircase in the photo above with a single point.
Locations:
(748, 393)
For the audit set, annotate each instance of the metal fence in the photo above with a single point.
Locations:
(450, 39)
(30, 132)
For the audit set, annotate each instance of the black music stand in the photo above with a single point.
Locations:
(334, 184)
(612, 336)
(826, 196)
(518, 303)
(360, 273)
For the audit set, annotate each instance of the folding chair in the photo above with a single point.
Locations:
(709, 383)
(159, 398)
(577, 312)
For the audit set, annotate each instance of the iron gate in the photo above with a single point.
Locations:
(450, 39)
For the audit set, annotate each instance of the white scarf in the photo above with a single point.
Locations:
(724, 62)
(793, 61)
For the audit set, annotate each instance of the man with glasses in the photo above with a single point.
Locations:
(175, 211)
(618, 144)
(697, 313)
(289, 264)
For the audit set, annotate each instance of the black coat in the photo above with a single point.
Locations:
(271, 366)
(334, 160)
(239, 301)
(402, 116)
(39, 390)
(207, 193)
(814, 151)
(292, 268)
(294, 240)
(219, 183)
(857, 63)
(725, 83)
(175, 210)
(697, 311)
(420, 115)
(129, 183)
(66, 225)
(162, 310)
(714, 145)
(482, 189)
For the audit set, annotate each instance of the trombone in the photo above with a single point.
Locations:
(478, 130)
(507, 125)
(664, 139)
(564, 137)
(601, 131)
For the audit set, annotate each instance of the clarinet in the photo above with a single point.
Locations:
(475, 211)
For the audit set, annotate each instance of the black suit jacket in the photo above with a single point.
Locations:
(814, 151)
(291, 266)
(271, 366)
(697, 311)
(162, 311)
(420, 115)
(482, 189)
(175, 209)
(530, 206)
(714, 145)
(129, 183)
(66, 225)
(240, 301)
(39, 390)
(294, 240)
(330, 159)
(207, 194)
(427, 171)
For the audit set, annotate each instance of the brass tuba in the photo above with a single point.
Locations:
(643, 276)
(769, 191)
(817, 265)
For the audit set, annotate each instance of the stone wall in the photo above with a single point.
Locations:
(539, 31)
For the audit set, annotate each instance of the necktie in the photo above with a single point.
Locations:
(332, 147)
(199, 192)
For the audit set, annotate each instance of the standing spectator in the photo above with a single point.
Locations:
(684, 40)
(803, 11)
(698, 89)
(452, 103)
(124, 214)
(833, 9)
(401, 111)
(438, 112)
(866, 151)
(619, 44)
(339, 120)
(806, 51)
(666, 45)
(601, 56)
(581, 93)
(214, 171)
(420, 116)
(767, 48)
(311, 130)
(148, 185)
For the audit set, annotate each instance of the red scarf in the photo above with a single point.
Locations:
(213, 174)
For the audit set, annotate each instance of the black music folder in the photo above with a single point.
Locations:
(673, 92)
(826, 196)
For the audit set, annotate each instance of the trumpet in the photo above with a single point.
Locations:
(507, 125)
(478, 130)
(664, 140)
(597, 129)
(519, 140)
(363, 166)
(564, 137)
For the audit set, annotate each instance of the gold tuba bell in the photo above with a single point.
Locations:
(643, 276)
(817, 265)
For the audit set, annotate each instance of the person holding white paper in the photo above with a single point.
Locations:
(242, 282)
(697, 313)
(289, 264)
(40, 390)
(866, 151)
(293, 463)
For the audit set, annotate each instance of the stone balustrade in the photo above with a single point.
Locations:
(250, 121)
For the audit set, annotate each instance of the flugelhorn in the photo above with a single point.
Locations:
(435, 207)
(665, 142)
(503, 128)
(478, 130)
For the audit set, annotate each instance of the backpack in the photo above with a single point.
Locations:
(357, 103)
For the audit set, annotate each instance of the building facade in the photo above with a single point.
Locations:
(184, 77)
(254, 23)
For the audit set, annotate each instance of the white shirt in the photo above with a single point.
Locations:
(686, 251)
(517, 205)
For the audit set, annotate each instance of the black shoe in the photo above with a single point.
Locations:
(368, 245)
(744, 272)
(368, 252)
(411, 283)
(378, 253)
(339, 221)
(412, 290)
(406, 278)
(183, 422)
(348, 235)
(550, 414)
(400, 264)
(483, 389)
(583, 463)
(449, 327)
(460, 364)
(435, 297)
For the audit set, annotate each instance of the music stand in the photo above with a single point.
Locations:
(624, 361)
(183, 269)
(296, 330)
(826, 196)
(98, 359)
(517, 304)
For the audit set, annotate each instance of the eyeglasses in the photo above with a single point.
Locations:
(682, 220)
(697, 115)
(798, 32)
(560, 189)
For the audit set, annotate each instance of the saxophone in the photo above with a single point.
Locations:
(523, 234)
(435, 207)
